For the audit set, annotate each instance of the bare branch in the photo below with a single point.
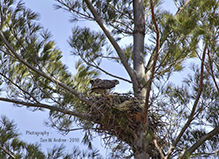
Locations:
(45, 106)
(41, 73)
(201, 141)
(158, 147)
(191, 116)
(118, 49)
(153, 66)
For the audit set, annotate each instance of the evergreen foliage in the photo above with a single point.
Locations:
(12, 147)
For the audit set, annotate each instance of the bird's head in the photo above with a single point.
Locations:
(116, 82)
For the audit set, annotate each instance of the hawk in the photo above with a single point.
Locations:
(100, 86)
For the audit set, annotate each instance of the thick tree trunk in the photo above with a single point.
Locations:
(142, 155)
(140, 146)
(138, 48)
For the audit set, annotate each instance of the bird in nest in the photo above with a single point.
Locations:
(100, 86)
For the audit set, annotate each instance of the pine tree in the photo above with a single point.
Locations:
(159, 118)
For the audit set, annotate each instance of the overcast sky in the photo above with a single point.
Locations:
(57, 21)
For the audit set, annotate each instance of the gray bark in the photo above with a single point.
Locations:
(139, 146)
(138, 48)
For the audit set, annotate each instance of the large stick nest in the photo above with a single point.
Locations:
(120, 115)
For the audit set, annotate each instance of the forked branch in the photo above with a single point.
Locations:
(114, 43)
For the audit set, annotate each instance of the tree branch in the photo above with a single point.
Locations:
(68, 8)
(62, 129)
(118, 49)
(153, 66)
(45, 106)
(43, 74)
(191, 116)
(99, 68)
(183, 6)
(24, 91)
(201, 141)
(211, 72)
(120, 26)
(158, 147)
(149, 64)
(6, 151)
